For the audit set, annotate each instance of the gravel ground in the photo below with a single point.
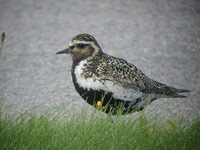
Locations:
(161, 37)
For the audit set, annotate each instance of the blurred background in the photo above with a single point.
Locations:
(161, 37)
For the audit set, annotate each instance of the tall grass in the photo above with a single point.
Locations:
(3, 35)
(95, 131)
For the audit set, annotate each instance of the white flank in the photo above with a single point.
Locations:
(118, 91)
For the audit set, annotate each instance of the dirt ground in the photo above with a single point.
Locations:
(161, 37)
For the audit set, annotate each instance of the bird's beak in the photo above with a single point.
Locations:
(65, 51)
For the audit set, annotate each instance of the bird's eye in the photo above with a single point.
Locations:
(71, 47)
(80, 45)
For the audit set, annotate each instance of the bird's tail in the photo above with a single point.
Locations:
(178, 96)
(181, 90)
(175, 93)
(172, 92)
(167, 91)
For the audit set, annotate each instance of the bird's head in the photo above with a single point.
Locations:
(81, 47)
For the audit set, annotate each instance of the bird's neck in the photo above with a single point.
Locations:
(78, 61)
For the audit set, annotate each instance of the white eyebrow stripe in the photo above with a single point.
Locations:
(70, 43)
(96, 47)
(84, 42)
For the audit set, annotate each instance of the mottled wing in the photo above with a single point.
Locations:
(123, 74)
(129, 76)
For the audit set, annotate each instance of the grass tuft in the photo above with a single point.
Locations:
(98, 132)
(3, 35)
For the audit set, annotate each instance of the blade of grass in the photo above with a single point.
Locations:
(3, 36)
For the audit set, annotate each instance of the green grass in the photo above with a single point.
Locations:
(95, 131)
(3, 35)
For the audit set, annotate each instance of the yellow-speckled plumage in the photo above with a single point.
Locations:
(97, 75)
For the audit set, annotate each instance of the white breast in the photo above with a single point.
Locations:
(118, 91)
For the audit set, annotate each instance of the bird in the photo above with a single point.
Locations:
(109, 82)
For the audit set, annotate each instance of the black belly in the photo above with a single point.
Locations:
(109, 104)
